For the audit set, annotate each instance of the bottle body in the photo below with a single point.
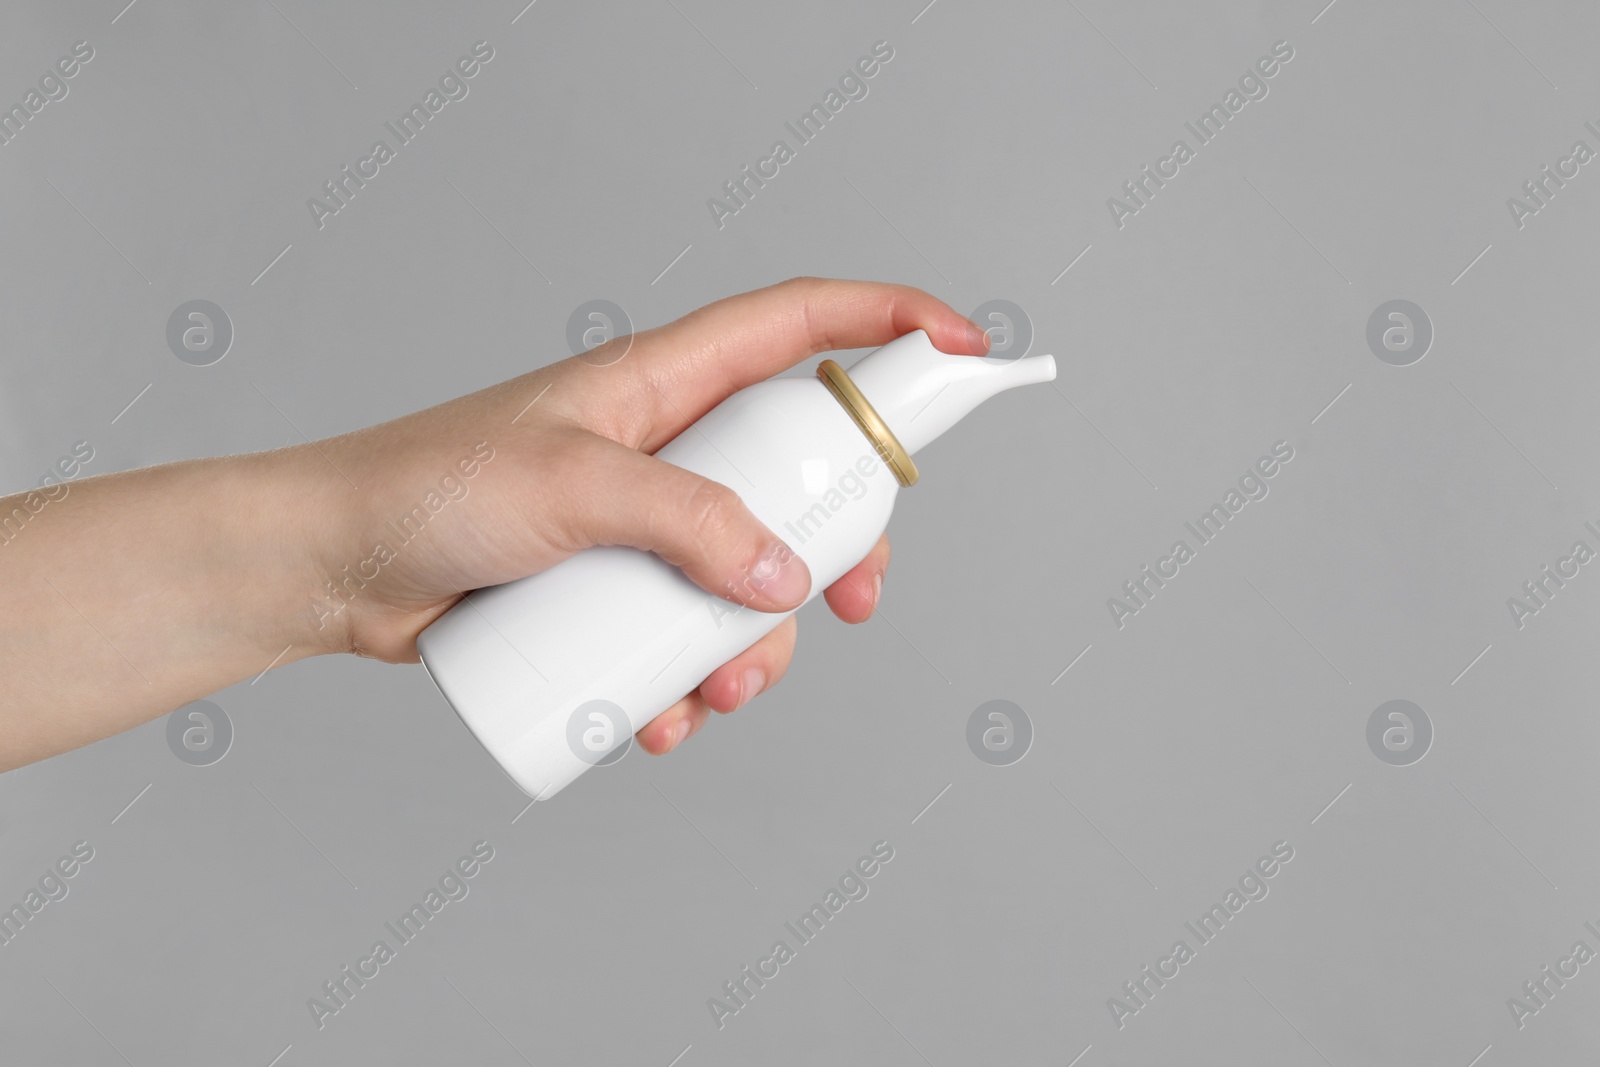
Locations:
(554, 672)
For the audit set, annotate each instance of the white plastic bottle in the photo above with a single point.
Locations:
(555, 672)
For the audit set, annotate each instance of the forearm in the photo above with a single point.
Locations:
(135, 593)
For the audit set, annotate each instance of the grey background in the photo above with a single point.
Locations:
(1228, 715)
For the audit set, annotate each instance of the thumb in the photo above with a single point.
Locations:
(691, 522)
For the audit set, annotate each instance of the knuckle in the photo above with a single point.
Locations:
(713, 512)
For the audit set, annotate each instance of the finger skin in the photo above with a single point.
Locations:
(681, 370)
(854, 597)
(623, 497)
(753, 671)
(658, 737)
(725, 690)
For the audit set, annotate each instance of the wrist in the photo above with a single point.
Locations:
(378, 569)
(298, 513)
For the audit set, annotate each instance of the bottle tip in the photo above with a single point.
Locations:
(920, 392)
(1031, 370)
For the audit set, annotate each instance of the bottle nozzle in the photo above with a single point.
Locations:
(921, 392)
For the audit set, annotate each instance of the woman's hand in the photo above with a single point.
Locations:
(571, 467)
(126, 596)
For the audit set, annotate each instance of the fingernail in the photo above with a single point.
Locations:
(751, 682)
(679, 732)
(780, 575)
(976, 338)
(877, 590)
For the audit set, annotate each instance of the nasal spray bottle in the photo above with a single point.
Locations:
(555, 672)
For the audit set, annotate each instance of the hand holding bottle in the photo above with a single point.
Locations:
(138, 592)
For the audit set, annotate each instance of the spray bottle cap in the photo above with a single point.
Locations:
(918, 392)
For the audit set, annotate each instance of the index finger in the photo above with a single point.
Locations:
(690, 365)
